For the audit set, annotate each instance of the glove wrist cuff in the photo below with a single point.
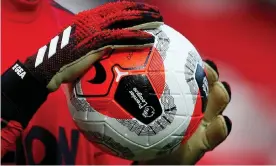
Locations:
(22, 91)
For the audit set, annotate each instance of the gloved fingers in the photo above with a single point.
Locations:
(214, 128)
(219, 97)
(219, 92)
(145, 7)
(120, 38)
(204, 139)
(119, 6)
(126, 19)
(212, 72)
(217, 131)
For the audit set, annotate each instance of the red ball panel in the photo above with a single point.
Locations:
(101, 81)
(196, 119)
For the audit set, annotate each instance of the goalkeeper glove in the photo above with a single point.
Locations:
(72, 52)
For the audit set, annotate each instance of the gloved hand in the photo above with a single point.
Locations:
(112, 25)
(214, 127)
(69, 54)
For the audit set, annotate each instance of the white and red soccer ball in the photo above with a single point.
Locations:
(141, 104)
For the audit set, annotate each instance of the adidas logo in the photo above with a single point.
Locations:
(65, 37)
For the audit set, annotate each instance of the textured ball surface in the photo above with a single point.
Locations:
(141, 104)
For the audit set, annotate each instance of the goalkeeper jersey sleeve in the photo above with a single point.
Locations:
(10, 131)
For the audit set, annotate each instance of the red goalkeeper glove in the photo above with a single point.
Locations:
(82, 43)
(69, 54)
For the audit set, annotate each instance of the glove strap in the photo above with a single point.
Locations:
(22, 94)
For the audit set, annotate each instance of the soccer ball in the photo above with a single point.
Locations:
(140, 104)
